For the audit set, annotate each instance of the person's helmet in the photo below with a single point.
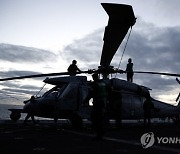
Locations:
(95, 76)
(74, 61)
(129, 60)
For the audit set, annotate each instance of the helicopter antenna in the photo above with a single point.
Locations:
(40, 90)
(124, 50)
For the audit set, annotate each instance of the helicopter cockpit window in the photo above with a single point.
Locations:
(54, 92)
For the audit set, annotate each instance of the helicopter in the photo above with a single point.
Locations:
(68, 99)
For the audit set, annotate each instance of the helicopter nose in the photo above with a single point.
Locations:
(27, 106)
(26, 101)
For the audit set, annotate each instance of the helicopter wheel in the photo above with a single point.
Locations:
(15, 116)
(76, 121)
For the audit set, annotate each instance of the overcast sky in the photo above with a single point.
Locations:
(46, 35)
(52, 24)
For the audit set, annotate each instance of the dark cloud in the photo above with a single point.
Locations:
(15, 95)
(16, 53)
(14, 73)
(17, 90)
(13, 83)
(18, 85)
(86, 50)
(157, 50)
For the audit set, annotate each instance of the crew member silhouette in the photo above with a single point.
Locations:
(129, 70)
(30, 113)
(73, 69)
(99, 95)
(148, 106)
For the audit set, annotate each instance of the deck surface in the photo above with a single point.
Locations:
(46, 137)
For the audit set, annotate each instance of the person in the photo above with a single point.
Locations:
(129, 70)
(30, 113)
(99, 95)
(147, 107)
(73, 69)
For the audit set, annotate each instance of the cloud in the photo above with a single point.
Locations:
(19, 90)
(14, 94)
(157, 51)
(23, 61)
(16, 53)
(14, 73)
(86, 50)
(151, 47)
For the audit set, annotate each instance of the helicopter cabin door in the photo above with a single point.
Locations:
(131, 106)
(68, 100)
(137, 107)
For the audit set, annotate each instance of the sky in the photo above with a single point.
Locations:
(44, 36)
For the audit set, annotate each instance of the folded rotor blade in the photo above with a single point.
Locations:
(44, 75)
(121, 18)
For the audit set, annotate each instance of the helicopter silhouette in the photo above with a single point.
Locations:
(68, 99)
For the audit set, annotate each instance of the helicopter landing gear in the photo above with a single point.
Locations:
(76, 121)
(15, 116)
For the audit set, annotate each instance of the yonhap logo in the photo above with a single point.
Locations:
(147, 140)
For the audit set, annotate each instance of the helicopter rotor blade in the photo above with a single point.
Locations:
(46, 75)
(158, 73)
(34, 76)
(121, 18)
